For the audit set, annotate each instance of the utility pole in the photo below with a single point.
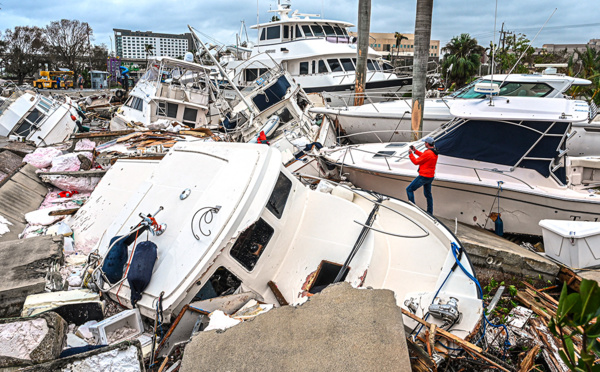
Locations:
(364, 26)
(421, 57)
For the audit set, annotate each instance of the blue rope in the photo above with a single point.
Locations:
(455, 248)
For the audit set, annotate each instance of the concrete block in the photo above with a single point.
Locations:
(9, 162)
(341, 328)
(23, 268)
(123, 357)
(28, 341)
(492, 255)
(122, 326)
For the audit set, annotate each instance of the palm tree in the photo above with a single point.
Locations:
(462, 59)
(422, 42)
(149, 49)
(589, 68)
(399, 37)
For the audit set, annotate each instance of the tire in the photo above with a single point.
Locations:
(39, 85)
(54, 85)
(119, 94)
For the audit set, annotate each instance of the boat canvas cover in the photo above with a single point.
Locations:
(526, 144)
(272, 94)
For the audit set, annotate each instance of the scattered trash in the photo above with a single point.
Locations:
(123, 326)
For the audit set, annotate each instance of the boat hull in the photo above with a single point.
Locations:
(472, 204)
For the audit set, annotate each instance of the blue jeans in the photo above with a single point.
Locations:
(415, 185)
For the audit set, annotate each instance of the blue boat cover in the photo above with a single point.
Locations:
(273, 94)
(532, 144)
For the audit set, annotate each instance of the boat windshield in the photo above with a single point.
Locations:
(519, 89)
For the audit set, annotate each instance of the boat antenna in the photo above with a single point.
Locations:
(493, 53)
(529, 46)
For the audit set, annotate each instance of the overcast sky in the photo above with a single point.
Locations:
(574, 21)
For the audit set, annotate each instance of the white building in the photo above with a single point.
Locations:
(132, 44)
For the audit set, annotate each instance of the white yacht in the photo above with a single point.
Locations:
(318, 53)
(507, 157)
(171, 90)
(391, 121)
(34, 117)
(248, 227)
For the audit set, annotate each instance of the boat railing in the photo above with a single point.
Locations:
(348, 151)
(372, 97)
(358, 192)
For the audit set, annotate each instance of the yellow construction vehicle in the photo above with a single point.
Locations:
(54, 80)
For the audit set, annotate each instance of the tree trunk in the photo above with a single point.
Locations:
(364, 26)
(422, 40)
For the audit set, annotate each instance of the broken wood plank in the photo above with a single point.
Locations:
(529, 360)
(567, 275)
(445, 334)
(278, 295)
(90, 173)
(529, 302)
(64, 212)
(421, 362)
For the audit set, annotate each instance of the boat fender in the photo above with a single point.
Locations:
(140, 270)
(115, 260)
(499, 226)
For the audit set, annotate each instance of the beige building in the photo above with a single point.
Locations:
(386, 42)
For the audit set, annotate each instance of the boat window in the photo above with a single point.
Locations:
(370, 65)
(28, 124)
(326, 274)
(189, 115)
(262, 34)
(322, 67)
(251, 244)
(328, 30)
(221, 283)
(250, 74)
(129, 100)
(384, 154)
(273, 32)
(136, 103)
(313, 67)
(334, 65)
(279, 196)
(338, 30)
(286, 32)
(317, 30)
(303, 68)
(307, 31)
(525, 89)
(298, 32)
(376, 65)
(44, 104)
(387, 67)
(347, 63)
(172, 110)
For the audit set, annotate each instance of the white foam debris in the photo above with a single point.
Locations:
(4, 223)
(65, 163)
(19, 339)
(220, 320)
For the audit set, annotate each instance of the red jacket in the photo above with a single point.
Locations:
(426, 161)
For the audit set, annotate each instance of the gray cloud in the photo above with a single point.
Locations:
(573, 22)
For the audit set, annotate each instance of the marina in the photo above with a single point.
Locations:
(306, 194)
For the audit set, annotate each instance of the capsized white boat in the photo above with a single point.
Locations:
(171, 90)
(507, 157)
(233, 221)
(391, 121)
(35, 117)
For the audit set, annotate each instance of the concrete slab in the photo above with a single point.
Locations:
(493, 256)
(341, 328)
(590, 275)
(28, 341)
(21, 193)
(23, 267)
(9, 162)
(126, 356)
(19, 148)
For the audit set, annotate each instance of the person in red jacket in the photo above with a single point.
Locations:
(426, 161)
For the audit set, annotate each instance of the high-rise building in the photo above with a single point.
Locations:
(131, 45)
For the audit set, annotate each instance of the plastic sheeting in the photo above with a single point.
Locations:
(42, 157)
